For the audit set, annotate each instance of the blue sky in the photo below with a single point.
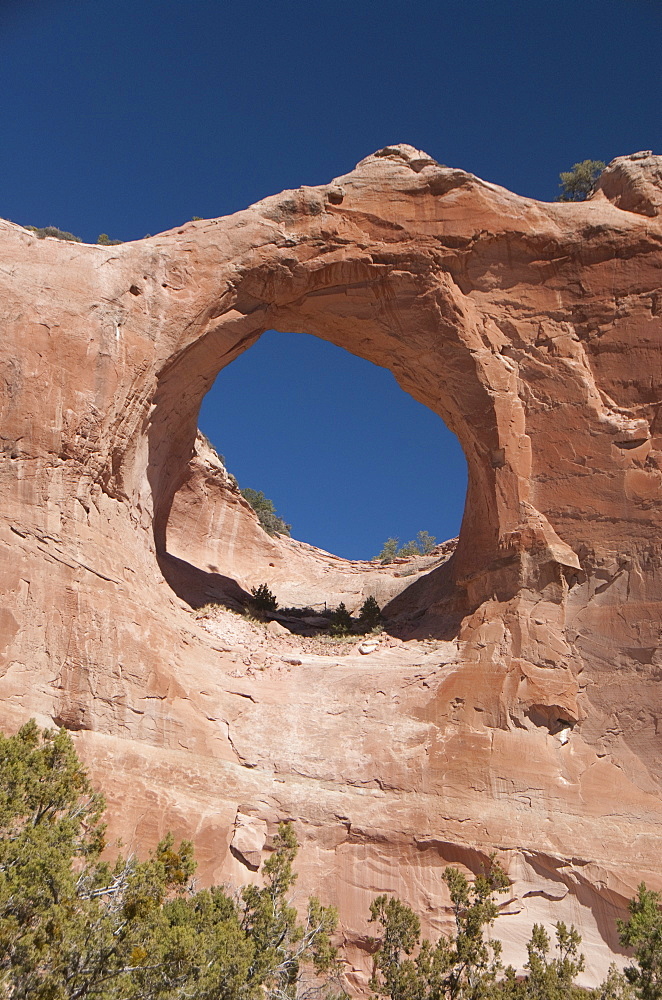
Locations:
(131, 117)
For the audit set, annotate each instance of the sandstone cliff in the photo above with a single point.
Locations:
(528, 719)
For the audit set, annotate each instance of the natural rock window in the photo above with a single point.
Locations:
(359, 460)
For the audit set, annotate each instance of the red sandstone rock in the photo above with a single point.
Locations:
(530, 723)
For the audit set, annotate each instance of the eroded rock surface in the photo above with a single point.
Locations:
(523, 713)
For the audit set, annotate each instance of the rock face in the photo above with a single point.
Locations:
(528, 722)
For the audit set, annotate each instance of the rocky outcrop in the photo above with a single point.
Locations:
(213, 529)
(527, 721)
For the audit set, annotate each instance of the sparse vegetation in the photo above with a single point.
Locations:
(422, 545)
(266, 512)
(59, 234)
(341, 621)
(426, 542)
(370, 615)
(263, 601)
(389, 550)
(579, 183)
(408, 549)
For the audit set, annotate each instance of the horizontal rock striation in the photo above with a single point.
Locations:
(528, 719)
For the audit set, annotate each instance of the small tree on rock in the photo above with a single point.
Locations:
(263, 600)
(370, 615)
(426, 542)
(341, 621)
(579, 183)
(389, 550)
(266, 512)
(409, 549)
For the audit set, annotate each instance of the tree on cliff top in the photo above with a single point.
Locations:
(266, 512)
(73, 927)
(577, 184)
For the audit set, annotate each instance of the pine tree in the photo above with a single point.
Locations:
(389, 550)
(426, 542)
(461, 966)
(74, 927)
(266, 512)
(409, 549)
(370, 615)
(577, 184)
(263, 600)
(341, 621)
(643, 933)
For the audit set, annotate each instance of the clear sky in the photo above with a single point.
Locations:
(131, 116)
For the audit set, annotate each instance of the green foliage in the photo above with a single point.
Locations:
(426, 542)
(370, 615)
(104, 240)
(553, 978)
(341, 621)
(389, 550)
(460, 967)
(59, 234)
(73, 927)
(263, 600)
(473, 963)
(422, 545)
(395, 975)
(266, 512)
(577, 184)
(70, 924)
(643, 933)
(466, 967)
(408, 549)
(615, 986)
(281, 943)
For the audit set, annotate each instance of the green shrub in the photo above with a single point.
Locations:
(426, 542)
(263, 600)
(579, 183)
(370, 615)
(59, 234)
(421, 546)
(409, 549)
(341, 621)
(104, 240)
(266, 512)
(389, 550)
(76, 926)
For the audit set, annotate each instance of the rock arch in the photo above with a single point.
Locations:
(535, 331)
(372, 287)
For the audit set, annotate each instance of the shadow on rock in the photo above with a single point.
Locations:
(197, 587)
(430, 608)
